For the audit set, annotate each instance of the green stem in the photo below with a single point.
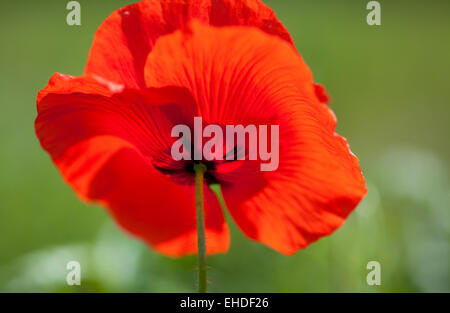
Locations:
(200, 170)
(215, 188)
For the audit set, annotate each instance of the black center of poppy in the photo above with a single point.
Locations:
(209, 173)
(183, 171)
(186, 174)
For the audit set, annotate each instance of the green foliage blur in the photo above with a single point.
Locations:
(390, 91)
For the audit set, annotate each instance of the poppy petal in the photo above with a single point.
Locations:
(153, 207)
(133, 30)
(241, 75)
(105, 142)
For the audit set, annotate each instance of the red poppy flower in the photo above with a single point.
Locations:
(156, 64)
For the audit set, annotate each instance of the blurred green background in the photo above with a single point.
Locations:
(390, 91)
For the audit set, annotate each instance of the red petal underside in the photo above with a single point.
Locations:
(104, 144)
(125, 38)
(240, 75)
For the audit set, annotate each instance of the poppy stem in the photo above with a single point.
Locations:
(200, 170)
